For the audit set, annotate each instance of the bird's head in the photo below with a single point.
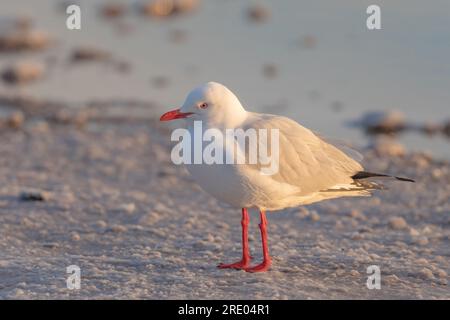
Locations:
(212, 103)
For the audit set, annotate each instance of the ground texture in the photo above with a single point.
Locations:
(139, 227)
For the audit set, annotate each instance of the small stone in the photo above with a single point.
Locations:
(23, 72)
(356, 236)
(113, 10)
(422, 241)
(22, 40)
(33, 195)
(303, 212)
(340, 272)
(17, 293)
(101, 224)
(118, 228)
(75, 236)
(422, 261)
(357, 214)
(354, 273)
(426, 274)
(413, 232)
(383, 121)
(315, 216)
(442, 281)
(158, 8)
(391, 279)
(184, 6)
(397, 223)
(50, 245)
(149, 218)
(89, 54)
(441, 273)
(128, 207)
(258, 13)
(16, 119)
(339, 225)
(427, 230)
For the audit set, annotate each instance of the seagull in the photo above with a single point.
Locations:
(310, 169)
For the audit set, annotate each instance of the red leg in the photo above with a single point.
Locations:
(244, 263)
(267, 261)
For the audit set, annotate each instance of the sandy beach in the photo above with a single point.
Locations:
(87, 179)
(139, 228)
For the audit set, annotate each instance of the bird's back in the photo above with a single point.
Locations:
(309, 170)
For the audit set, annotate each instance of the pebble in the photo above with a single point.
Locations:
(118, 228)
(50, 245)
(75, 236)
(12, 120)
(356, 236)
(24, 40)
(150, 218)
(354, 273)
(422, 261)
(426, 274)
(128, 207)
(441, 273)
(158, 8)
(258, 13)
(315, 216)
(303, 212)
(421, 241)
(339, 225)
(397, 223)
(340, 272)
(33, 195)
(23, 72)
(166, 8)
(357, 214)
(383, 121)
(89, 54)
(184, 6)
(113, 10)
(413, 232)
(391, 279)
(101, 224)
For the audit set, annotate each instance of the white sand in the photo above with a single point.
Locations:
(140, 228)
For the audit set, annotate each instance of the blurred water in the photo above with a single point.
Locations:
(404, 66)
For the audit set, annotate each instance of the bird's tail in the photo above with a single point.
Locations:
(365, 175)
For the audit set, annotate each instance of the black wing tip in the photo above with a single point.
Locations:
(405, 179)
(364, 175)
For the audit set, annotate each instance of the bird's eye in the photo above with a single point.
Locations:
(204, 105)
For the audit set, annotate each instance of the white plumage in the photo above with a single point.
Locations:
(310, 169)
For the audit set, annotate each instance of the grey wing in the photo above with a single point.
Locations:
(305, 160)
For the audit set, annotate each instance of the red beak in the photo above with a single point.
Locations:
(174, 114)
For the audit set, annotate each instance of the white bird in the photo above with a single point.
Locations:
(309, 168)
